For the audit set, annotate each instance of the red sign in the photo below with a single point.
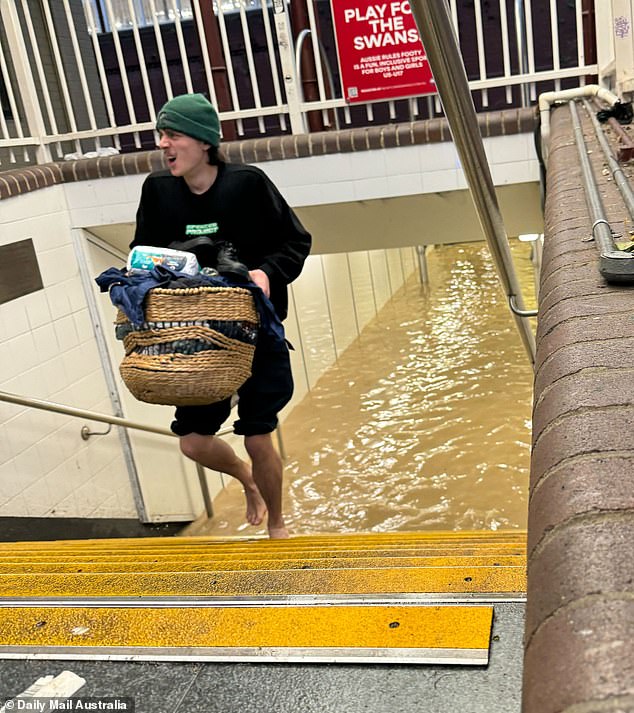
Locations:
(381, 55)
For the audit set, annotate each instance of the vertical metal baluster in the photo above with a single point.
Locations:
(122, 69)
(255, 88)
(94, 37)
(230, 71)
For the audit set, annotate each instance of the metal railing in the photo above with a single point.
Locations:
(86, 433)
(113, 421)
(434, 24)
(88, 77)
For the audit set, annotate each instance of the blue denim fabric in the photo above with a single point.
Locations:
(129, 291)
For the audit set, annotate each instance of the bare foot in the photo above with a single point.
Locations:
(278, 533)
(256, 507)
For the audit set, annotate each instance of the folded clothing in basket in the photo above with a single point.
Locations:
(188, 340)
(128, 292)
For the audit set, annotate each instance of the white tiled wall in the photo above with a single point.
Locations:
(332, 300)
(47, 351)
(399, 171)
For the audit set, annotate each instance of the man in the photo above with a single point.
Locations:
(201, 195)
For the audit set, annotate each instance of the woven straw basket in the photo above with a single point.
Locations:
(196, 346)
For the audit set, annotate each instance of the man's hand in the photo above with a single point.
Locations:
(261, 279)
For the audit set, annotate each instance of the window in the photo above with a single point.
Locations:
(165, 10)
(122, 18)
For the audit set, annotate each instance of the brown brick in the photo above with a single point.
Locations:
(315, 145)
(593, 389)
(435, 131)
(527, 119)
(404, 135)
(581, 655)
(389, 136)
(589, 556)
(572, 276)
(574, 357)
(374, 137)
(596, 432)
(587, 485)
(606, 302)
(419, 130)
(344, 141)
(571, 289)
(359, 140)
(231, 151)
(247, 151)
(583, 329)
(275, 148)
(331, 142)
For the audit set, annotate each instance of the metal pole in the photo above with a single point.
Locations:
(204, 489)
(522, 47)
(616, 266)
(441, 46)
(421, 251)
(292, 83)
(80, 413)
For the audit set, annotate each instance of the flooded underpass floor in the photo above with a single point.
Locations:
(423, 423)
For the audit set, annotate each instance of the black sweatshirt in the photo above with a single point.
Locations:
(242, 206)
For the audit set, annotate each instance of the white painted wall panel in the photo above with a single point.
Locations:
(380, 277)
(46, 352)
(364, 300)
(314, 319)
(341, 301)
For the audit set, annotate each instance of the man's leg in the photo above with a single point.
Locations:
(267, 474)
(216, 454)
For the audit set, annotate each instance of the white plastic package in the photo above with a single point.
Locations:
(145, 257)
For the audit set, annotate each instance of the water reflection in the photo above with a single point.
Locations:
(423, 422)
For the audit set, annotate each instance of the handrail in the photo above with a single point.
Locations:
(125, 423)
(80, 413)
(90, 415)
(616, 266)
(323, 57)
(439, 40)
(114, 420)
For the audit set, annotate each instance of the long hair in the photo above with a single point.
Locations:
(216, 156)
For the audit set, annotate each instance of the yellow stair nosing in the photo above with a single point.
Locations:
(461, 537)
(393, 630)
(177, 556)
(257, 582)
(259, 550)
(260, 565)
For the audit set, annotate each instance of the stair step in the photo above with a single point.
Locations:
(204, 563)
(382, 634)
(510, 579)
(175, 554)
(338, 542)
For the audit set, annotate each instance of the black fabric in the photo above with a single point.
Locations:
(260, 399)
(622, 112)
(242, 207)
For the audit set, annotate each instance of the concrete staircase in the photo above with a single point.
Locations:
(384, 597)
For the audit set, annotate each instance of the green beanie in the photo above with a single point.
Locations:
(193, 115)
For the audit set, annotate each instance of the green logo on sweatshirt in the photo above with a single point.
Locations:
(204, 229)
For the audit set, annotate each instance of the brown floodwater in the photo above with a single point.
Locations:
(423, 423)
